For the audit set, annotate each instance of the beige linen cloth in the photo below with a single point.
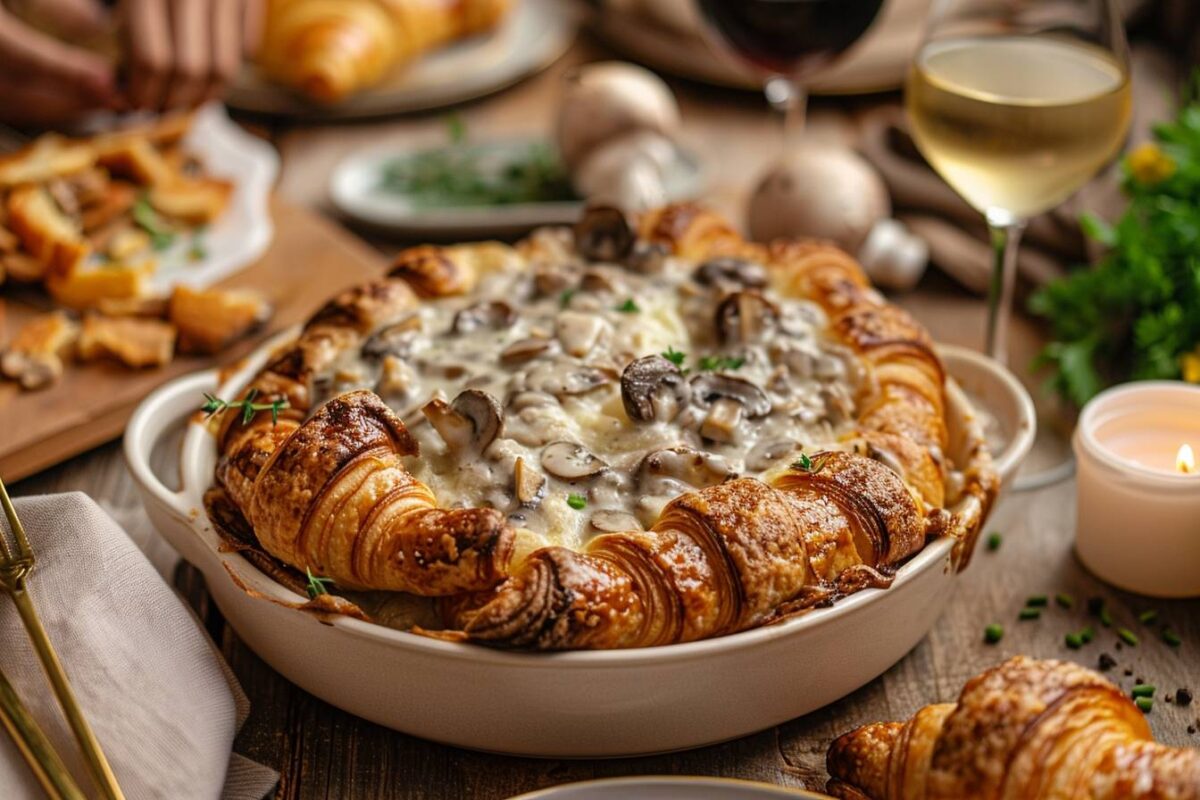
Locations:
(157, 693)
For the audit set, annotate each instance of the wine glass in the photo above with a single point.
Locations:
(1017, 104)
(784, 41)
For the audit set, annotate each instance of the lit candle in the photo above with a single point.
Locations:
(1138, 523)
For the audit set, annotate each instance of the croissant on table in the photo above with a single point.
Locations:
(1025, 729)
(329, 49)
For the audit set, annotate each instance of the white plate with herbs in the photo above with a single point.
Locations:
(465, 190)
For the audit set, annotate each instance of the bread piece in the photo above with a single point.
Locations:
(85, 288)
(134, 341)
(136, 158)
(46, 232)
(21, 267)
(196, 201)
(209, 320)
(34, 357)
(50, 156)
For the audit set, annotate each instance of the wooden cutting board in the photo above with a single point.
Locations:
(310, 259)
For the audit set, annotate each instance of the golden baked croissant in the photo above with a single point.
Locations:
(1025, 729)
(329, 49)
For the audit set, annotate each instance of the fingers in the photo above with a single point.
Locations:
(149, 47)
(254, 20)
(36, 58)
(39, 104)
(79, 19)
(191, 33)
(226, 44)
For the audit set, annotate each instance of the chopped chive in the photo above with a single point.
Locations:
(1145, 704)
(628, 307)
(1127, 636)
(1148, 616)
(1074, 641)
(1171, 637)
(993, 541)
(993, 633)
(1087, 634)
(1037, 601)
(576, 501)
(1065, 600)
(1105, 617)
(1143, 690)
(1030, 613)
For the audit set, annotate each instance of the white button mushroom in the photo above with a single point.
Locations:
(893, 256)
(628, 171)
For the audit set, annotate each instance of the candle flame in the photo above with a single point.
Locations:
(1185, 460)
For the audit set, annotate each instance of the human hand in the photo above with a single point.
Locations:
(45, 81)
(183, 52)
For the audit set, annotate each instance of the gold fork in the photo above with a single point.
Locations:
(16, 561)
(38, 753)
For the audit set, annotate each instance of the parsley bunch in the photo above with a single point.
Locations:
(1136, 315)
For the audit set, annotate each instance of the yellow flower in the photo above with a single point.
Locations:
(1190, 365)
(1148, 164)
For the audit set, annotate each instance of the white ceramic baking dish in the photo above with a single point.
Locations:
(580, 704)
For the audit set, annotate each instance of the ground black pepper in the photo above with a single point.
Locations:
(1107, 662)
(1183, 696)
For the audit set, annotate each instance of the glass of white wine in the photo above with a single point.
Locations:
(1017, 104)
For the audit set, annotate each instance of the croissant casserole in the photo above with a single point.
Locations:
(1028, 729)
(482, 500)
(329, 49)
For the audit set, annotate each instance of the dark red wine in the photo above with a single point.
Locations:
(790, 36)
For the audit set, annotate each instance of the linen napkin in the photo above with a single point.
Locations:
(158, 695)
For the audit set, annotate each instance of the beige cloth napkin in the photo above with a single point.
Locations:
(158, 695)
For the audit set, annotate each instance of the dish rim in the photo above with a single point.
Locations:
(199, 445)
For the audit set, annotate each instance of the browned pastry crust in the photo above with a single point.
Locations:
(1026, 728)
(326, 489)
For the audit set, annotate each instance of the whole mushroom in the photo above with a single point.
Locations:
(822, 191)
(628, 171)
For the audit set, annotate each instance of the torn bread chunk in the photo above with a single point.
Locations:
(197, 201)
(209, 320)
(85, 288)
(134, 341)
(34, 357)
(48, 234)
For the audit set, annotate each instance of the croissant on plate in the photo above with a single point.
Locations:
(1025, 729)
(329, 49)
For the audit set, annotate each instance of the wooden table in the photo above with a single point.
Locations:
(322, 752)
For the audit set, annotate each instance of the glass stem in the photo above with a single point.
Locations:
(1006, 233)
(791, 101)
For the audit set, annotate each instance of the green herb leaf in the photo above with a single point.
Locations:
(1074, 641)
(1148, 616)
(674, 356)
(1143, 690)
(576, 501)
(1127, 636)
(993, 633)
(993, 541)
(1171, 637)
(198, 250)
(1064, 600)
(1145, 704)
(1038, 600)
(214, 405)
(564, 299)
(628, 307)
(720, 363)
(1030, 613)
(316, 585)
(161, 236)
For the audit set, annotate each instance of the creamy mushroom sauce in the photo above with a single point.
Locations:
(550, 341)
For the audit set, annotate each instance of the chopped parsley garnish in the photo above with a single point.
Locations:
(576, 501)
(674, 356)
(720, 363)
(564, 299)
(628, 307)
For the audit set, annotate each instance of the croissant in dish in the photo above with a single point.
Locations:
(720, 560)
(329, 49)
(1026, 728)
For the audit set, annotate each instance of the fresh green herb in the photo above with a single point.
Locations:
(214, 405)
(1030, 613)
(316, 585)
(456, 129)
(993, 541)
(1105, 617)
(628, 307)
(1127, 636)
(1087, 634)
(1074, 641)
(993, 633)
(1171, 637)
(1064, 600)
(1143, 690)
(161, 236)
(674, 356)
(1145, 704)
(810, 465)
(576, 501)
(1148, 616)
(720, 363)
(1037, 601)
(198, 251)
(564, 299)
(1136, 314)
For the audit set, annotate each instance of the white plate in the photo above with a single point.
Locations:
(655, 787)
(355, 191)
(243, 232)
(532, 37)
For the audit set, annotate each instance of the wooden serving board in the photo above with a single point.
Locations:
(310, 258)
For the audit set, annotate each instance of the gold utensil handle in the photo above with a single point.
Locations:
(37, 751)
(97, 764)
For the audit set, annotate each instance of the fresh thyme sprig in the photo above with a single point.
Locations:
(810, 465)
(214, 405)
(316, 585)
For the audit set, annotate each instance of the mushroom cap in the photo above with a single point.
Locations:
(653, 388)
(711, 386)
(604, 233)
(571, 461)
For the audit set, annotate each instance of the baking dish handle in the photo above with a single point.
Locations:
(163, 409)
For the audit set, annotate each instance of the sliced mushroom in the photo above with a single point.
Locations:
(579, 332)
(527, 483)
(526, 349)
(571, 461)
(611, 521)
(746, 316)
(392, 340)
(604, 233)
(764, 454)
(721, 424)
(598, 280)
(566, 379)
(648, 257)
(686, 464)
(548, 281)
(731, 270)
(653, 388)
(491, 315)
(711, 386)
(469, 424)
